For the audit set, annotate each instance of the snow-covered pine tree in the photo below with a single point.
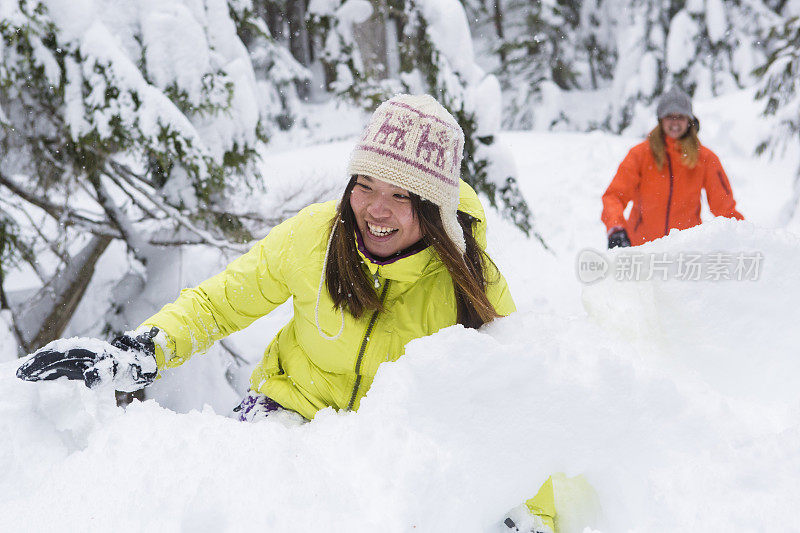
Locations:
(282, 79)
(333, 22)
(120, 121)
(706, 47)
(12, 250)
(537, 57)
(620, 55)
(640, 73)
(276, 33)
(712, 47)
(780, 90)
(596, 33)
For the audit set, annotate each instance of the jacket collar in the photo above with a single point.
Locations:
(409, 266)
(411, 250)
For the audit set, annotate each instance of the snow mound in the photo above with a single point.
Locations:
(677, 410)
(722, 302)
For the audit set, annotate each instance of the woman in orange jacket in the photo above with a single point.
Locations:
(663, 176)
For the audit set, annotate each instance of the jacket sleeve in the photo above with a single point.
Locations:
(620, 192)
(250, 287)
(498, 293)
(718, 188)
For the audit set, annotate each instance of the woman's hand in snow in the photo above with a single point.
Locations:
(128, 362)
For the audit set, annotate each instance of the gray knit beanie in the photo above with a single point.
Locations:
(674, 102)
(415, 143)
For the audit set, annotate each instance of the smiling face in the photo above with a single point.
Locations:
(675, 126)
(384, 216)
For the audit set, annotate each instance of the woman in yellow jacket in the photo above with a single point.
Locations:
(382, 286)
(398, 257)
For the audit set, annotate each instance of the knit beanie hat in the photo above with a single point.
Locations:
(674, 102)
(414, 143)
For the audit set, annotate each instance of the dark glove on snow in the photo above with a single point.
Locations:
(128, 362)
(618, 238)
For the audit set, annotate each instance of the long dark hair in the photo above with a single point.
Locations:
(349, 285)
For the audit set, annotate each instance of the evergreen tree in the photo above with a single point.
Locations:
(131, 126)
(283, 79)
(538, 54)
(780, 90)
(333, 23)
(620, 54)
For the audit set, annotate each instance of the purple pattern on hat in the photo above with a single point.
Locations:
(399, 130)
(436, 146)
(410, 162)
(420, 113)
(431, 145)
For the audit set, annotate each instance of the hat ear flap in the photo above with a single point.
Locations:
(449, 217)
(696, 122)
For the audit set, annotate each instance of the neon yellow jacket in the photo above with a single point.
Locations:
(301, 370)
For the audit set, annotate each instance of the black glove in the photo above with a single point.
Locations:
(618, 238)
(128, 362)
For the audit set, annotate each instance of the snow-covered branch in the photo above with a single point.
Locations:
(135, 182)
(64, 215)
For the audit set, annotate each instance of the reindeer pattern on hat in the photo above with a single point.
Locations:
(415, 138)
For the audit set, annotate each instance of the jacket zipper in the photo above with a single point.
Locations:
(669, 198)
(363, 347)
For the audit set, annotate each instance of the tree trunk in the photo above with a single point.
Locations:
(498, 26)
(4, 305)
(298, 41)
(49, 312)
(312, 53)
(329, 74)
(591, 48)
(371, 38)
(273, 18)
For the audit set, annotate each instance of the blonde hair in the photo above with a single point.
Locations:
(689, 145)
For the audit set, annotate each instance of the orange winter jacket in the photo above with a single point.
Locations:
(665, 198)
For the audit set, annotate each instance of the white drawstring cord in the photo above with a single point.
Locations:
(319, 293)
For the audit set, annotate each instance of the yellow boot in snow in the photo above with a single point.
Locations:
(562, 505)
(535, 515)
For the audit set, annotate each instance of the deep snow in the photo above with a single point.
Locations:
(674, 399)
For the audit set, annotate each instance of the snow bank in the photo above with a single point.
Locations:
(673, 399)
(700, 321)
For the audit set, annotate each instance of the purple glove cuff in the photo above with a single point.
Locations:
(255, 405)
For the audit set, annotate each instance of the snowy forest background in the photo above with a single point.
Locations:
(135, 129)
